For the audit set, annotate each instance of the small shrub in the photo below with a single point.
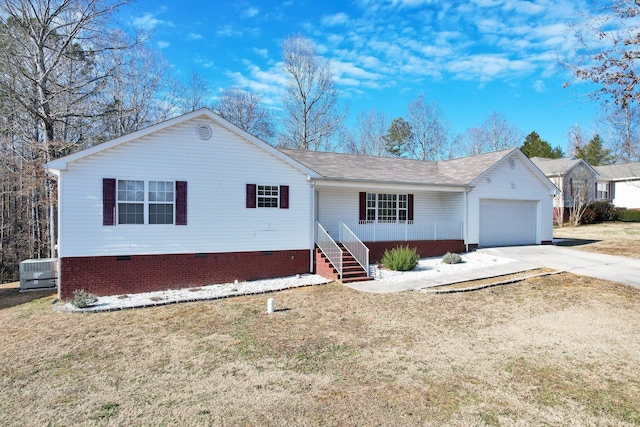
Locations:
(400, 258)
(83, 299)
(451, 258)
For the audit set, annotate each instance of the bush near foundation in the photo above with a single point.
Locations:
(401, 258)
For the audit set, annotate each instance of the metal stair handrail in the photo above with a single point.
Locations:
(329, 248)
(356, 248)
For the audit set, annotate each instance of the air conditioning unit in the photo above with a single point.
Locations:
(38, 273)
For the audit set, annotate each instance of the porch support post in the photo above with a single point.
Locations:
(466, 220)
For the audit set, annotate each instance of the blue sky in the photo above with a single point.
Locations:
(471, 57)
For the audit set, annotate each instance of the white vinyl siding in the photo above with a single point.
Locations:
(626, 194)
(217, 171)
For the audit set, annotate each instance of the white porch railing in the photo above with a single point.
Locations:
(355, 246)
(329, 248)
(373, 231)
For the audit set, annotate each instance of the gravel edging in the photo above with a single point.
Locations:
(67, 307)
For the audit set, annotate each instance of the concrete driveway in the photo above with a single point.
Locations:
(601, 266)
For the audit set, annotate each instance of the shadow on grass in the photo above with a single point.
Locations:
(575, 242)
(12, 297)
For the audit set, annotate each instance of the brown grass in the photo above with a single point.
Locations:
(557, 350)
(614, 238)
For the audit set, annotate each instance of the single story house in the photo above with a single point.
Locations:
(195, 200)
(619, 183)
(576, 180)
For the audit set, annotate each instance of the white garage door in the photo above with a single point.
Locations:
(508, 222)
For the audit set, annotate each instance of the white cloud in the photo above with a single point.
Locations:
(335, 19)
(250, 12)
(227, 31)
(163, 44)
(524, 7)
(194, 36)
(262, 52)
(538, 86)
(486, 67)
(148, 22)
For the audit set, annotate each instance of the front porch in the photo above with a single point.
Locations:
(366, 241)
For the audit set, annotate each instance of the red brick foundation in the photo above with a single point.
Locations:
(424, 248)
(111, 275)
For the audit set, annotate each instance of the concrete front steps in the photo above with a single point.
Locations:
(352, 271)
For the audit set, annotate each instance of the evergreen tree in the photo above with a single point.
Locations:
(534, 146)
(398, 137)
(594, 152)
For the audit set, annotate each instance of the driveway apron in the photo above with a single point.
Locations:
(601, 266)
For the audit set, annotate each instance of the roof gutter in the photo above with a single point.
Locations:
(350, 182)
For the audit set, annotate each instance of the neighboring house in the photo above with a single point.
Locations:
(195, 200)
(574, 177)
(620, 183)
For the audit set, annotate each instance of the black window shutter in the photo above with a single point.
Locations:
(181, 202)
(108, 201)
(284, 197)
(410, 207)
(363, 206)
(251, 195)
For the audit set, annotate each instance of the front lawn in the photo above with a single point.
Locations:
(557, 350)
(614, 238)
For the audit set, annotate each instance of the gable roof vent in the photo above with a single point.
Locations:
(204, 132)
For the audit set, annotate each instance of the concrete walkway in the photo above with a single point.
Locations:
(601, 266)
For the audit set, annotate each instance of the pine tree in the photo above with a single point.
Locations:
(534, 146)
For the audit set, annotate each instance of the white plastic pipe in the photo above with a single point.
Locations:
(270, 306)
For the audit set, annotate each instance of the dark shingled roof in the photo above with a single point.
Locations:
(355, 167)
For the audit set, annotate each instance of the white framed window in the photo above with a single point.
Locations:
(161, 202)
(268, 196)
(602, 190)
(130, 202)
(387, 208)
(137, 206)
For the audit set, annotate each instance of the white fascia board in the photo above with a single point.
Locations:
(394, 186)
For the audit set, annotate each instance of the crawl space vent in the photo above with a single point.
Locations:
(203, 132)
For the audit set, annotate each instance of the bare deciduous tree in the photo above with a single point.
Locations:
(430, 129)
(371, 126)
(51, 72)
(311, 99)
(129, 100)
(608, 50)
(622, 128)
(244, 110)
(496, 133)
(192, 94)
(578, 191)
